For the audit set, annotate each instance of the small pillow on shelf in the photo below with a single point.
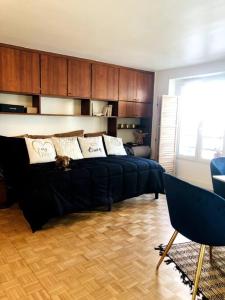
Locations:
(92, 147)
(67, 146)
(114, 145)
(40, 150)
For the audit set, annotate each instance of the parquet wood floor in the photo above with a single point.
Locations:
(96, 255)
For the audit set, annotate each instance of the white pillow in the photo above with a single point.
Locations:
(114, 145)
(67, 146)
(40, 150)
(92, 147)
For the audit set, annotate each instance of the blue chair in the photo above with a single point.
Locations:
(197, 214)
(217, 166)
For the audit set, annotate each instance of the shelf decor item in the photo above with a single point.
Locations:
(32, 110)
(139, 137)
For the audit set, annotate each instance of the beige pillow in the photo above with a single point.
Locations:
(40, 150)
(92, 147)
(114, 145)
(67, 146)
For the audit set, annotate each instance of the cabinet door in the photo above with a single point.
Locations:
(143, 110)
(79, 78)
(127, 85)
(145, 85)
(130, 109)
(126, 109)
(122, 109)
(104, 82)
(19, 71)
(53, 75)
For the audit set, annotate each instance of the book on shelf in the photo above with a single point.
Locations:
(107, 110)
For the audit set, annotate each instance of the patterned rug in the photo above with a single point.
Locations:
(212, 281)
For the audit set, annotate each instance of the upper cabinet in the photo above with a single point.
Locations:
(19, 71)
(53, 75)
(145, 85)
(79, 78)
(135, 85)
(127, 85)
(105, 81)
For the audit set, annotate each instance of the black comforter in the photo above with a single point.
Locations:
(44, 192)
(50, 192)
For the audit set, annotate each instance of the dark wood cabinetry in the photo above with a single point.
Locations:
(127, 85)
(79, 78)
(39, 73)
(145, 85)
(105, 80)
(126, 109)
(134, 109)
(53, 75)
(143, 110)
(19, 71)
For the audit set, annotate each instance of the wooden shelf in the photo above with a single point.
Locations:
(55, 115)
(129, 128)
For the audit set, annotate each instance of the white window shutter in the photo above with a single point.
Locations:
(167, 133)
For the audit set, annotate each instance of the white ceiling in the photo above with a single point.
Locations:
(147, 34)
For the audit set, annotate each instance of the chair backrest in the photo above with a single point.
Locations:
(217, 167)
(196, 213)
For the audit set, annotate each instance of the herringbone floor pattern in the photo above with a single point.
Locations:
(97, 255)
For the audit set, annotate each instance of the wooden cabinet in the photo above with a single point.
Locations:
(134, 109)
(105, 80)
(19, 71)
(145, 85)
(79, 78)
(53, 75)
(127, 85)
(143, 110)
(126, 109)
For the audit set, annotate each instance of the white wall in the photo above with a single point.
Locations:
(196, 172)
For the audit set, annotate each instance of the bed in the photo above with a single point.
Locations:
(44, 191)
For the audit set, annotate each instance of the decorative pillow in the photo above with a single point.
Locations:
(70, 134)
(40, 150)
(92, 147)
(67, 146)
(114, 145)
(93, 134)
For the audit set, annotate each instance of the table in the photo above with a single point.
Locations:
(219, 177)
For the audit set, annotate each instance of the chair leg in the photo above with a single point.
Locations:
(167, 249)
(198, 271)
(210, 252)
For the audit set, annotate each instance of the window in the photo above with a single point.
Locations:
(201, 129)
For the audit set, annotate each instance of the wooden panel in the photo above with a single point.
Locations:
(127, 85)
(104, 82)
(112, 126)
(126, 109)
(145, 85)
(122, 109)
(19, 71)
(79, 78)
(143, 110)
(53, 75)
